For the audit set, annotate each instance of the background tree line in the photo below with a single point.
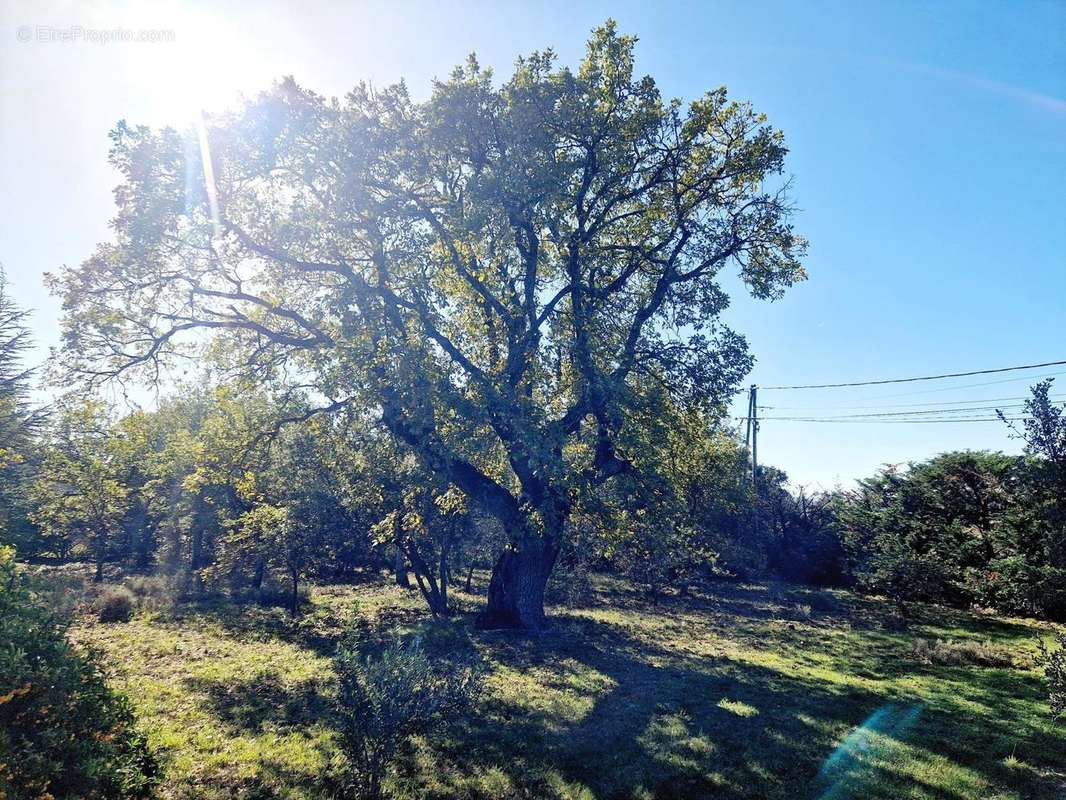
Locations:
(228, 490)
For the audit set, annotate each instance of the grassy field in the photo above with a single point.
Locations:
(747, 691)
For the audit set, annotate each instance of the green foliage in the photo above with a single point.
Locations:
(1044, 429)
(18, 425)
(194, 489)
(796, 531)
(290, 511)
(971, 528)
(63, 732)
(681, 515)
(385, 698)
(81, 495)
(1020, 584)
(691, 512)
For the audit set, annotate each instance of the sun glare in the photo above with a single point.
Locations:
(208, 66)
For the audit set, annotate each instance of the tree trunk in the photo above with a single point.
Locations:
(98, 555)
(196, 555)
(260, 572)
(516, 589)
(294, 605)
(443, 572)
(436, 601)
(399, 566)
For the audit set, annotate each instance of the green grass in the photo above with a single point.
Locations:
(743, 692)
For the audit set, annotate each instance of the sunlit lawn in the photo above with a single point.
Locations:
(743, 692)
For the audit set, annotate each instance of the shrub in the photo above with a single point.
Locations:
(63, 732)
(1054, 664)
(154, 592)
(115, 604)
(384, 699)
(954, 654)
(1014, 585)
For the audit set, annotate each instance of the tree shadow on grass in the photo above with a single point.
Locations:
(264, 701)
(264, 704)
(616, 710)
(271, 780)
(668, 724)
(951, 620)
(252, 622)
(994, 709)
(318, 628)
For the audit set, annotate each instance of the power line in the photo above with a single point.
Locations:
(927, 412)
(890, 421)
(932, 413)
(921, 378)
(904, 405)
(968, 385)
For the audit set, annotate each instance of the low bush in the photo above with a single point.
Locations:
(114, 604)
(1015, 586)
(959, 653)
(1053, 662)
(154, 592)
(384, 699)
(63, 733)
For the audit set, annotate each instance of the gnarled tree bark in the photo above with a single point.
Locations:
(516, 588)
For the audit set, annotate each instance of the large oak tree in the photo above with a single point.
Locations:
(500, 272)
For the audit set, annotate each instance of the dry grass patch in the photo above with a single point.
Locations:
(960, 653)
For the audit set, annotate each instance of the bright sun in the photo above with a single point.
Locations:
(206, 68)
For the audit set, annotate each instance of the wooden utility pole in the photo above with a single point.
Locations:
(753, 428)
(747, 421)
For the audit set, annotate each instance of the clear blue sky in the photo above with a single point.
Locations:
(928, 154)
